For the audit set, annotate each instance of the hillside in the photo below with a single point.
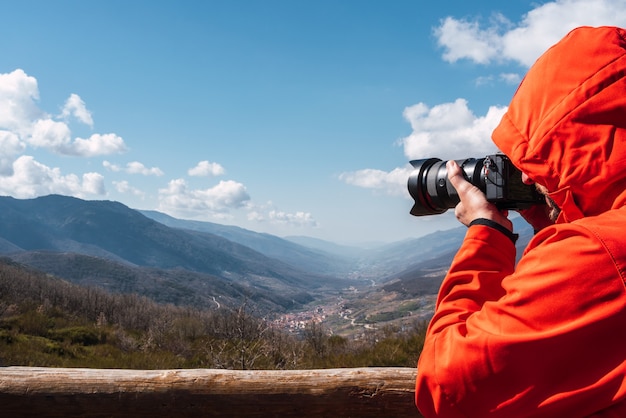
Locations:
(43, 232)
(45, 321)
(303, 256)
(177, 286)
(112, 230)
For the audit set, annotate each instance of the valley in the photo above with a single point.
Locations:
(348, 290)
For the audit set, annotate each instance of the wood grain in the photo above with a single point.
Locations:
(359, 392)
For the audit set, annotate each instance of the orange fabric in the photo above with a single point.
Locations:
(545, 337)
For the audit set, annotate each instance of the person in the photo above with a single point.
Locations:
(545, 337)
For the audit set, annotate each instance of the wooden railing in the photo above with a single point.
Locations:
(360, 392)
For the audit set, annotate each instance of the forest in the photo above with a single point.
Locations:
(46, 321)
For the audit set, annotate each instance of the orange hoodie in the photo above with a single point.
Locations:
(545, 338)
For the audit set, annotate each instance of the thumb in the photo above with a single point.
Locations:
(456, 178)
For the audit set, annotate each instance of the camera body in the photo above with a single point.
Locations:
(494, 175)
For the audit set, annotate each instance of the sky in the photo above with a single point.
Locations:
(287, 117)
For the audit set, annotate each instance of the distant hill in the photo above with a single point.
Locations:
(112, 230)
(304, 257)
(330, 247)
(36, 231)
(179, 287)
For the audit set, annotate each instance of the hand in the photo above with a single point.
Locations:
(473, 204)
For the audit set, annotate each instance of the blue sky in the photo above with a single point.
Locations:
(279, 116)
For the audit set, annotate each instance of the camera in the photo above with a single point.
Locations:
(494, 175)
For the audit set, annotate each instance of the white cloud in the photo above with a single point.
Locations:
(255, 216)
(135, 167)
(511, 78)
(20, 115)
(465, 39)
(47, 133)
(112, 167)
(95, 145)
(56, 137)
(450, 131)
(484, 80)
(178, 199)
(227, 194)
(93, 183)
(10, 147)
(18, 96)
(24, 125)
(525, 41)
(74, 106)
(393, 182)
(507, 78)
(293, 219)
(270, 214)
(30, 179)
(206, 168)
(125, 188)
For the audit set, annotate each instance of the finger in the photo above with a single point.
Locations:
(453, 168)
(456, 177)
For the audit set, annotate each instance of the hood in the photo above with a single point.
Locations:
(566, 124)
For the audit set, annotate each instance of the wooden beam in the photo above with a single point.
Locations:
(360, 392)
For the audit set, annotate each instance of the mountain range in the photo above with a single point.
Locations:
(107, 244)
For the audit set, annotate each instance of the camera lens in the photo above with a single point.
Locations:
(429, 186)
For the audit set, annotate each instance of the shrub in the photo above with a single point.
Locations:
(76, 335)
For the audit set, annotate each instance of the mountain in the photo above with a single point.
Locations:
(112, 230)
(178, 287)
(107, 244)
(33, 229)
(325, 257)
(304, 257)
(329, 247)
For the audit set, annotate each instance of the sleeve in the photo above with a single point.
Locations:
(515, 341)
